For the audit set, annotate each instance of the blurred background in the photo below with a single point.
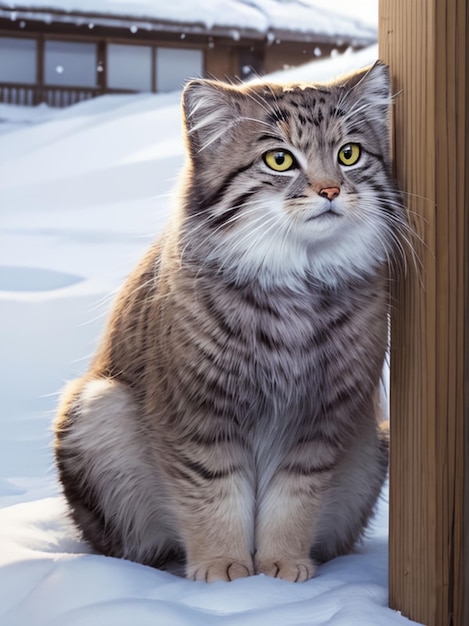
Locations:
(60, 52)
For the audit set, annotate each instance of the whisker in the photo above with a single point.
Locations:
(273, 220)
(416, 195)
(205, 222)
(399, 232)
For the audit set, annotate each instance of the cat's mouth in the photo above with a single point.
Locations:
(327, 212)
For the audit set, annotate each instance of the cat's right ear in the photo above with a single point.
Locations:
(211, 108)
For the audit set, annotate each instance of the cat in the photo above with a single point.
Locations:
(230, 416)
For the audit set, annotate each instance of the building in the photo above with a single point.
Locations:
(64, 51)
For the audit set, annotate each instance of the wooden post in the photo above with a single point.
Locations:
(101, 66)
(426, 44)
(39, 93)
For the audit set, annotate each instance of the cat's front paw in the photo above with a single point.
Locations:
(219, 569)
(294, 570)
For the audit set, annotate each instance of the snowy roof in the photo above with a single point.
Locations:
(298, 18)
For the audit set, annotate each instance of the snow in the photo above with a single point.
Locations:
(262, 15)
(325, 69)
(84, 190)
(366, 10)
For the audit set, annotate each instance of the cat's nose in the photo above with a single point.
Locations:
(329, 192)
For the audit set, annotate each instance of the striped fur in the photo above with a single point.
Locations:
(230, 415)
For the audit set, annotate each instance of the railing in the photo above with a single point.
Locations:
(54, 96)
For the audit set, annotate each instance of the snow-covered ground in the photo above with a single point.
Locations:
(83, 190)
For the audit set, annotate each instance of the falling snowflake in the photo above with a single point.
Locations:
(59, 69)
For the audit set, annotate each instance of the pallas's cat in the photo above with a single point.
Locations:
(229, 417)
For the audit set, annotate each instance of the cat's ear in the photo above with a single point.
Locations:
(372, 87)
(210, 109)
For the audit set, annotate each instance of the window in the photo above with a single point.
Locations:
(250, 62)
(17, 60)
(70, 63)
(129, 67)
(174, 66)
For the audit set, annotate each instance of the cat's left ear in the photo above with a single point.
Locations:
(372, 86)
(211, 108)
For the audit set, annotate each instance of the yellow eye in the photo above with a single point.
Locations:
(349, 154)
(279, 160)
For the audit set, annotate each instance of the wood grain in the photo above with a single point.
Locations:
(426, 44)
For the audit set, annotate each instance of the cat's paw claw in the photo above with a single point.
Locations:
(296, 571)
(220, 569)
